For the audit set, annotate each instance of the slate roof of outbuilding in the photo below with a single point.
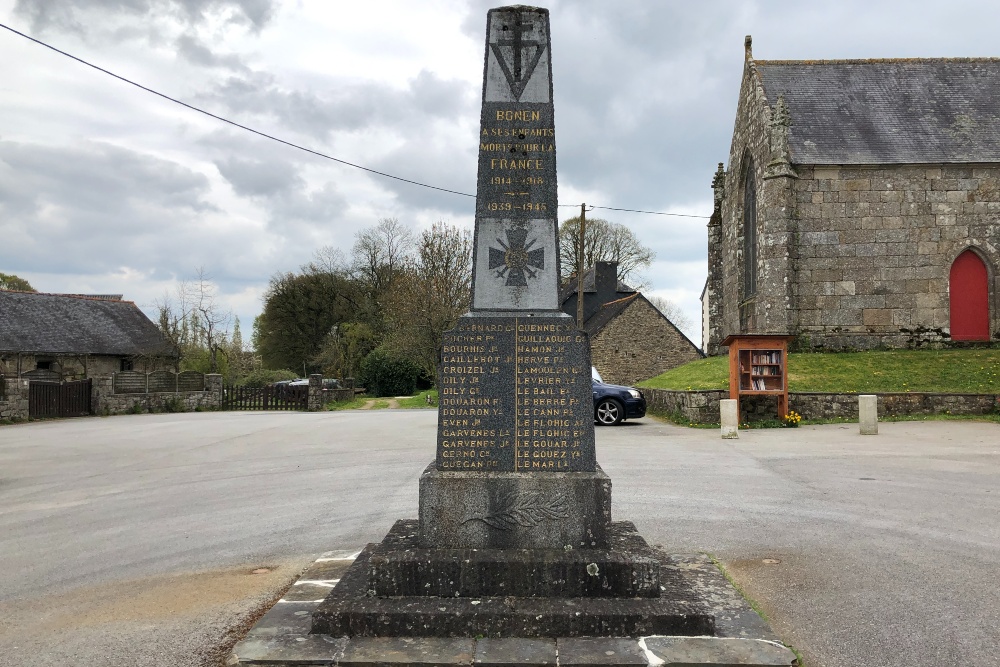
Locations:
(73, 324)
(898, 111)
(569, 287)
(608, 312)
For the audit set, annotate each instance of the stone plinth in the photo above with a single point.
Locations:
(355, 609)
(476, 510)
(627, 568)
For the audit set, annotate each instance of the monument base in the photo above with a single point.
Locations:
(355, 607)
(494, 510)
(398, 566)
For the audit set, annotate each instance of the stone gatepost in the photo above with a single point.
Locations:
(14, 399)
(315, 399)
(101, 389)
(213, 389)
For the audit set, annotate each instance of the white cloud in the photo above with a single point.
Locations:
(104, 187)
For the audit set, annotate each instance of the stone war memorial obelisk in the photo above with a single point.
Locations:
(515, 460)
(514, 543)
(514, 537)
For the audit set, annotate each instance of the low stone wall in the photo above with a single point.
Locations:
(13, 399)
(703, 406)
(700, 407)
(105, 402)
(339, 395)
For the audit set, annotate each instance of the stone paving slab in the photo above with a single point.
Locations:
(582, 651)
(718, 651)
(281, 637)
(515, 651)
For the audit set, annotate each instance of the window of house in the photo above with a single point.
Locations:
(126, 365)
(43, 365)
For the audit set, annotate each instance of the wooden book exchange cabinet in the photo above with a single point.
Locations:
(758, 367)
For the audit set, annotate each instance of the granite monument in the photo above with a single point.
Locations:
(514, 537)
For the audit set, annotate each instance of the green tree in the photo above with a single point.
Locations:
(341, 353)
(300, 311)
(604, 242)
(384, 373)
(8, 281)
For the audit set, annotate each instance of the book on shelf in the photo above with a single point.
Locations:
(773, 358)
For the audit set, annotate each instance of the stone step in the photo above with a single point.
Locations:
(352, 609)
(400, 567)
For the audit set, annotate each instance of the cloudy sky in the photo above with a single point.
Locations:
(105, 188)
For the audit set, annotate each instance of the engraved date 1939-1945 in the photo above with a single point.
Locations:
(509, 206)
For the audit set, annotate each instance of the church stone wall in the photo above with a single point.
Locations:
(876, 245)
(750, 142)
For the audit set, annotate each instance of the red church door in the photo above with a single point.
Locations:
(969, 294)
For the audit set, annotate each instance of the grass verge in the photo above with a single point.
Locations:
(353, 404)
(975, 371)
(422, 399)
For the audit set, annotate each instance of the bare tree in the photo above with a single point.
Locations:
(431, 294)
(672, 312)
(192, 320)
(381, 252)
(604, 242)
(210, 317)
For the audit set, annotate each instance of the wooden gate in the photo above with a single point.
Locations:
(280, 397)
(58, 399)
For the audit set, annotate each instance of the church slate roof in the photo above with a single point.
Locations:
(899, 111)
(72, 324)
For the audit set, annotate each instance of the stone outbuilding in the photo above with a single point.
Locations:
(860, 207)
(71, 336)
(630, 339)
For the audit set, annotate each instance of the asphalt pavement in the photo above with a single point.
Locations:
(153, 539)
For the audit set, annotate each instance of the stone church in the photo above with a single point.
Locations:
(861, 204)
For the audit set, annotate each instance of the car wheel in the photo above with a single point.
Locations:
(609, 412)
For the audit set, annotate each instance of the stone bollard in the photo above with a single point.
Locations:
(868, 414)
(728, 417)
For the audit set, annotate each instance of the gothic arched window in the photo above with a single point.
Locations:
(749, 233)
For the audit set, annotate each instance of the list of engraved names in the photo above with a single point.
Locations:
(498, 373)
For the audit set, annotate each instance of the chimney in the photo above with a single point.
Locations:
(606, 282)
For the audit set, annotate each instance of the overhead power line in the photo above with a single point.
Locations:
(283, 141)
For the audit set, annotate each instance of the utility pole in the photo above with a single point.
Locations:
(580, 267)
